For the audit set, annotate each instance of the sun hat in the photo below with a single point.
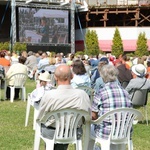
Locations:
(45, 76)
(139, 69)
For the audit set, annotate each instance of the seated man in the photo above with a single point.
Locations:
(109, 97)
(139, 82)
(62, 97)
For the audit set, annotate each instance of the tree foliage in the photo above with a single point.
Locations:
(91, 40)
(117, 46)
(4, 46)
(141, 45)
(19, 47)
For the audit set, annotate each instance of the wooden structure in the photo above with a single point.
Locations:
(99, 15)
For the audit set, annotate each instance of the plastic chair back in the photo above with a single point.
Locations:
(66, 123)
(88, 90)
(121, 123)
(19, 79)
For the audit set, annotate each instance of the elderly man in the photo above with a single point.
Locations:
(62, 97)
(108, 98)
(31, 63)
(139, 82)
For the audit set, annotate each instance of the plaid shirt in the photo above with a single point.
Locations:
(111, 96)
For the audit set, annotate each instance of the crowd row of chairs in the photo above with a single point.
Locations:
(67, 123)
(122, 120)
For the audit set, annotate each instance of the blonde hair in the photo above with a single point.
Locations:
(52, 61)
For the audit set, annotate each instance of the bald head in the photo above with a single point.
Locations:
(63, 73)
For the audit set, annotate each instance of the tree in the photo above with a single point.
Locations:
(141, 45)
(19, 47)
(4, 46)
(91, 40)
(117, 46)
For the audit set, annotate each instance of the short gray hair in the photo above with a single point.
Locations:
(109, 73)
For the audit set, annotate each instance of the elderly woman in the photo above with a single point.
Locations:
(15, 68)
(80, 77)
(108, 98)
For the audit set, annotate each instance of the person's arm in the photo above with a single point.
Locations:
(95, 106)
(94, 115)
(129, 86)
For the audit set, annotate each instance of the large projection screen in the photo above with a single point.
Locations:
(45, 26)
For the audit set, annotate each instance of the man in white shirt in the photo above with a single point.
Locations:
(62, 97)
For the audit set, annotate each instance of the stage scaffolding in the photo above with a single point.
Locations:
(56, 4)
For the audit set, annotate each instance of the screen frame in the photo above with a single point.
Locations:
(29, 41)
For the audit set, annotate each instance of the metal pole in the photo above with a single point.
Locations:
(13, 21)
(73, 26)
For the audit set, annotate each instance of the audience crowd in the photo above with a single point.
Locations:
(112, 79)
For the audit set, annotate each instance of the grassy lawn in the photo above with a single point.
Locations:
(15, 136)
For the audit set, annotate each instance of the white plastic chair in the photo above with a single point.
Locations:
(53, 81)
(19, 82)
(122, 120)
(88, 90)
(139, 99)
(66, 123)
(36, 108)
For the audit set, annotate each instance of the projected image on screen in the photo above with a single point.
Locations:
(43, 25)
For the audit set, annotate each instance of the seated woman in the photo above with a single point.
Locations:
(14, 69)
(108, 98)
(3, 61)
(80, 77)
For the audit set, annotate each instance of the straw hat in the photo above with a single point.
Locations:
(139, 69)
(45, 76)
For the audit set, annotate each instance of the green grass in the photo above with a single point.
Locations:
(15, 136)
